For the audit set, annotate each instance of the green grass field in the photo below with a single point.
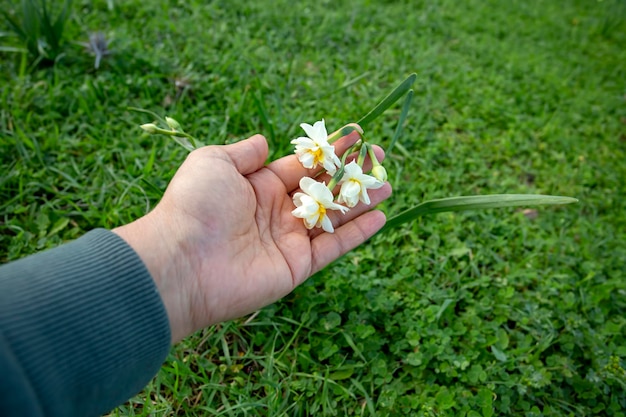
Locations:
(497, 312)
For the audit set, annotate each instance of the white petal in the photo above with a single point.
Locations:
(306, 159)
(329, 152)
(329, 166)
(335, 206)
(297, 199)
(306, 183)
(305, 205)
(315, 132)
(303, 142)
(352, 170)
(318, 132)
(365, 198)
(327, 225)
(311, 221)
(318, 190)
(371, 183)
(349, 193)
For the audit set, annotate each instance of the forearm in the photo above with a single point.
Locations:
(156, 241)
(82, 327)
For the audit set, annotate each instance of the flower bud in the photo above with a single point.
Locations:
(173, 124)
(380, 173)
(150, 128)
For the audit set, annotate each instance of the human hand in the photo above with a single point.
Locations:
(222, 242)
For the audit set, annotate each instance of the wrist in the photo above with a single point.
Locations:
(154, 245)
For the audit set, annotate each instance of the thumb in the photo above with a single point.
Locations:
(248, 155)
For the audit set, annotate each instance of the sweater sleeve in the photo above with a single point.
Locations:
(82, 329)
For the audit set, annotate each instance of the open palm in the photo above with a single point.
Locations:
(232, 244)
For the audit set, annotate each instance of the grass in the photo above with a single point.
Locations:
(479, 313)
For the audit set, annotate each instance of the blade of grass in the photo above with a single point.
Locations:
(343, 86)
(59, 25)
(12, 49)
(473, 203)
(368, 400)
(153, 187)
(388, 101)
(260, 104)
(403, 114)
(14, 25)
(46, 27)
(31, 25)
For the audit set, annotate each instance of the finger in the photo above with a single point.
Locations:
(289, 170)
(248, 155)
(329, 246)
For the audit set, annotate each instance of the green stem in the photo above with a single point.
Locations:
(344, 131)
(336, 178)
(173, 133)
(365, 149)
(370, 152)
(355, 148)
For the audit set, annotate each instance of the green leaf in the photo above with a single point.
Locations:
(443, 307)
(153, 187)
(388, 101)
(444, 399)
(460, 251)
(331, 320)
(485, 401)
(473, 203)
(403, 114)
(500, 355)
(14, 25)
(184, 142)
(58, 226)
(59, 25)
(11, 49)
(342, 374)
(259, 100)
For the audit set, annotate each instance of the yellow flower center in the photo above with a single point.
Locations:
(318, 155)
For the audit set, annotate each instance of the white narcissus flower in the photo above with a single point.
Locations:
(312, 204)
(354, 185)
(315, 150)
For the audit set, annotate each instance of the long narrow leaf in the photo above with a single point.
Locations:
(265, 119)
(12, 49)
(46, 29)
(388, 101)
(31, 20)
(59, 25)
(14, 25)
(403, 114)
(473, 203)
(343, 86)
(153, 187)
(156, 116)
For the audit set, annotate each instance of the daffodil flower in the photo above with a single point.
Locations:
(315, 150)
(313, 203)
(354, 185)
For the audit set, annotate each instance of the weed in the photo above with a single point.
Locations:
(39, 30)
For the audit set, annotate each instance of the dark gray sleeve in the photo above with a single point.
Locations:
(82, 329)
